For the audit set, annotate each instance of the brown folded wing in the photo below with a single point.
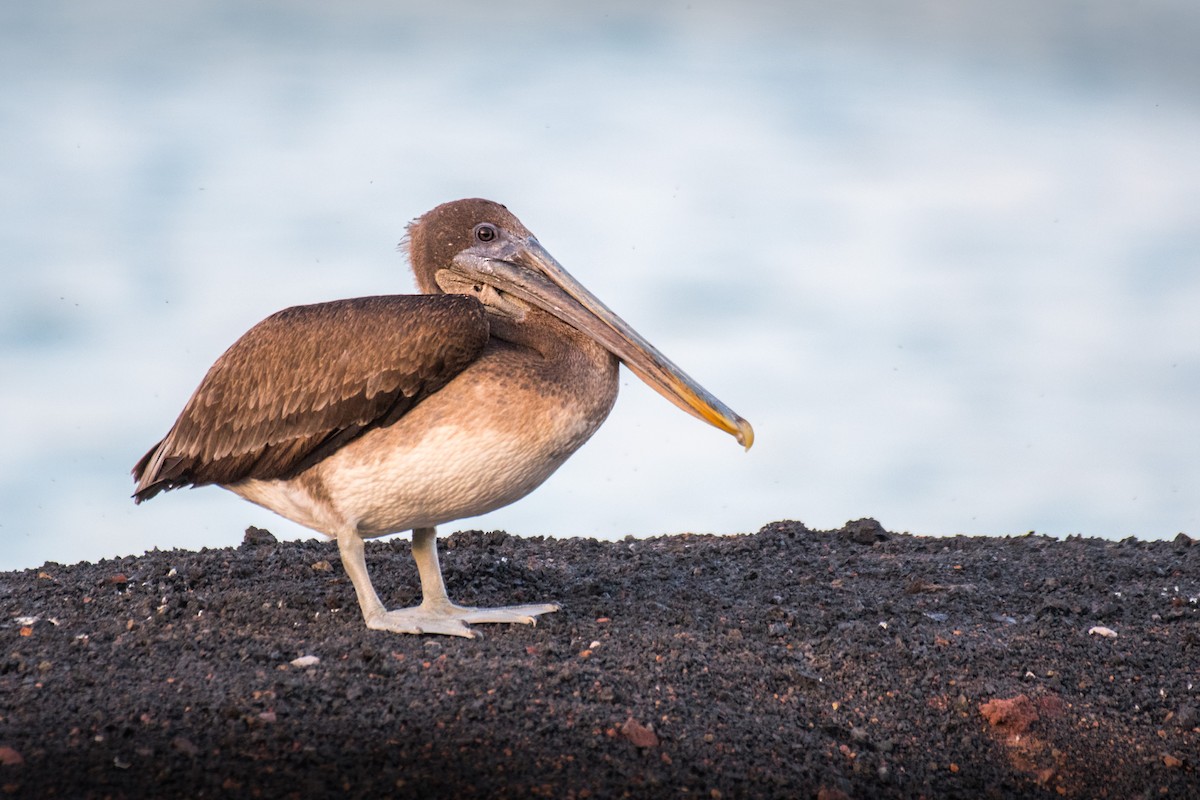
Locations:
(308, 379)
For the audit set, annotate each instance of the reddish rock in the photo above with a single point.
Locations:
(1013, 715)
(639, 734)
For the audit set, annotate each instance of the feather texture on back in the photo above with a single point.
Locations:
(308, 379)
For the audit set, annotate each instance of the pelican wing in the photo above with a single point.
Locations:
(308, 379)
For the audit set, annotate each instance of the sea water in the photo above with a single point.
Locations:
(944, 257)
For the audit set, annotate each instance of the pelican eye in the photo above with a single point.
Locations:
(486, 232)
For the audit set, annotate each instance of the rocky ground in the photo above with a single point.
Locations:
(789, 663)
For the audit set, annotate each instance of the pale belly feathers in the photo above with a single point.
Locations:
(470, 449)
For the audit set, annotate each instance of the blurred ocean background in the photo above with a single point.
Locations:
(944, 256)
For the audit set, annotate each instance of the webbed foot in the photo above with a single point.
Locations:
(450, 619)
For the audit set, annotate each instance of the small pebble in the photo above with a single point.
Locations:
(640, 735)
(185, 746)
(305, 661)
(1100, 630)
(258, 536)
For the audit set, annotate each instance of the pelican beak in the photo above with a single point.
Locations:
(524, 269)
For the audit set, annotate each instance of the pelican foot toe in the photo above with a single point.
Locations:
(525, 615)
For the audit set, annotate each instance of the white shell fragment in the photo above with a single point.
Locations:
(306, 661)
(1100, 630)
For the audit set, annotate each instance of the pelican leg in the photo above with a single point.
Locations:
(436, 614)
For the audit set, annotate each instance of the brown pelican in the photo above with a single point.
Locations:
(365, 417)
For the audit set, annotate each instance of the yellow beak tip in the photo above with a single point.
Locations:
(745, 434)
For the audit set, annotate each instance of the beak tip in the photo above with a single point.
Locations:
(745, 433)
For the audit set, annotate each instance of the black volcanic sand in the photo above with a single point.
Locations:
(789, 663)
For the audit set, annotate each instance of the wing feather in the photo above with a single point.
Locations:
(308, 379)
